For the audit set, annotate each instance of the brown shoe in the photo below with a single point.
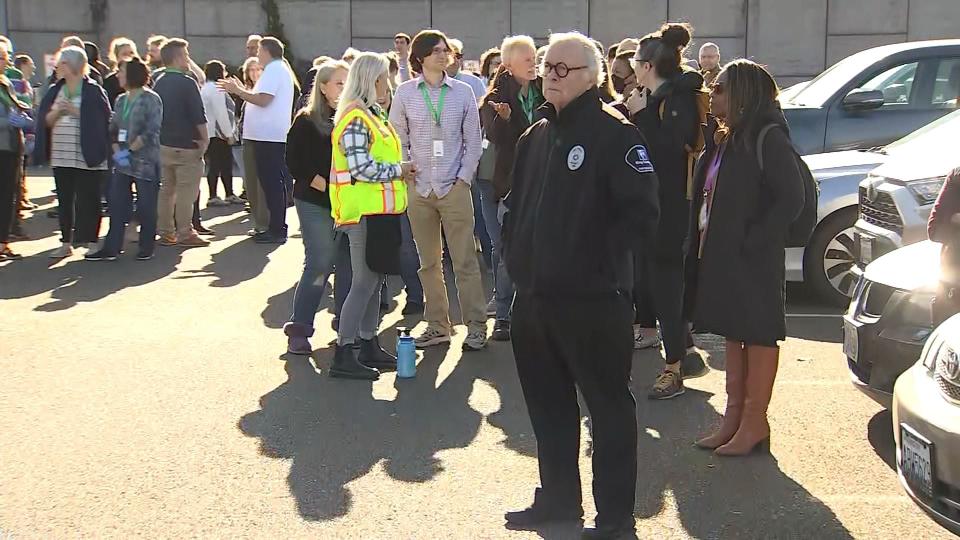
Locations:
(193, 241)
(168, 239)
(754, 430)
(736, 379)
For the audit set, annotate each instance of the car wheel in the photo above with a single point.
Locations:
(829, 258)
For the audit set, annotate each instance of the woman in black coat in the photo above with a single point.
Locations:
(740, 222)
(665, 110)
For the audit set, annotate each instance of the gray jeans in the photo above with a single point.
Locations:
(361, 310)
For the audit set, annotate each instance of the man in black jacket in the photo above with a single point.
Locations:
(583, 191)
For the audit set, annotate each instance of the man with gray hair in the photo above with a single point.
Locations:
(709, 62)
(584, 190)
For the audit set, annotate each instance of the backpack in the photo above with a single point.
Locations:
(703, 107)
(802, 228)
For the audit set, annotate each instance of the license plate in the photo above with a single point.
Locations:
(866, 250)
(916, 464)
(851, 344)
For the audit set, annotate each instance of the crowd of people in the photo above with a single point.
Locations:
(614, 193)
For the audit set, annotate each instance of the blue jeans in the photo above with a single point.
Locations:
(270, 167)
(481, 232)
(504, 288)
(410, 263)
(488, 209)
(120, 199)
(316, 227)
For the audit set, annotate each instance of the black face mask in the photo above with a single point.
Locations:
(619, 83)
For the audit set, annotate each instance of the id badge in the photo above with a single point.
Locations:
(122, 136)
(485, 144)
(703, 216)
(437, 148)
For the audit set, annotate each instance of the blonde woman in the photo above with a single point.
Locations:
(309, 151)
(367, 194)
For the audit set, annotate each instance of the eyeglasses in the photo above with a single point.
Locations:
(458, 56)
(635, 62)
(561, 69)
(717, 88)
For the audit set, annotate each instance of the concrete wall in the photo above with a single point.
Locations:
(797, 39)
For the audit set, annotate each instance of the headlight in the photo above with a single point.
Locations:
(916, 309)
(911, 318)
(926, 191)
(930, 351)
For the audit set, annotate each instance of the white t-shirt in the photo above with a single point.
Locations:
(270, 123)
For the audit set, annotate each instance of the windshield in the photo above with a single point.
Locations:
(827, 83)
(937, 137)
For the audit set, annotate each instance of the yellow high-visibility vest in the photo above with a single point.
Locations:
(349, 200)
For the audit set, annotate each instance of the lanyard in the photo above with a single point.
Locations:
(528, 103)
(68, 93)
(438, 110)
(128, 106)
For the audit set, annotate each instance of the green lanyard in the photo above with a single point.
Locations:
(528, 103)
(438, 110)
(128, 106)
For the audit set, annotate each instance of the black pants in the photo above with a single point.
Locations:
(10, 163)
(220, 161)
(270, 167)
(644, 314)
(78, 204)
(666, 286)
(563, 344)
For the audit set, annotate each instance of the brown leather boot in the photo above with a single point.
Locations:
(736, 381)
(754, 431)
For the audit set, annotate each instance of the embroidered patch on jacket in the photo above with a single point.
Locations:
(638, 158)
(575, 158)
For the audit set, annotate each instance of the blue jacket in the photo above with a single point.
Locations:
(94, 124)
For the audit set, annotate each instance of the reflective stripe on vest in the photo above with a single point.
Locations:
(351, 200)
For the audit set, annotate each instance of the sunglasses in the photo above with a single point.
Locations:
(635, 62)
(717, 88)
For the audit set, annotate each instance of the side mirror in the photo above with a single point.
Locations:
(863, 100)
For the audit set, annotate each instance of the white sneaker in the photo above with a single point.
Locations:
(476, 340)
(431, 337)
(215, 201)
(62, 252)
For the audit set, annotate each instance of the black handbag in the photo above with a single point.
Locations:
(383, 244)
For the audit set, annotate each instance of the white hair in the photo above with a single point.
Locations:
(709, 45)
(361, 85)
(455, 44)
(350, 53)
(75, 57)
(512, 43)
(254, 37)
(591, 55)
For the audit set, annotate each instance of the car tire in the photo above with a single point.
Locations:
(830, 257)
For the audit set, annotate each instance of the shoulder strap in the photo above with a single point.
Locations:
(760, 139)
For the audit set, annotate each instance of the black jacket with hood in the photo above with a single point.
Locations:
(668, 140)
(584, 192)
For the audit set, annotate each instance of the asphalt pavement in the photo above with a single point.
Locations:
(154, 399)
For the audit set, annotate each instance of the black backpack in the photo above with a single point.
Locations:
(802, 228)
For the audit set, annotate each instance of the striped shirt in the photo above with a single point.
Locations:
(65, 149)
(459, 130)
(355, 141)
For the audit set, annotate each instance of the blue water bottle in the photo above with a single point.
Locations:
(406, 354)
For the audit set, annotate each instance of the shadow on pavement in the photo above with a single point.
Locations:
(880, 435)
(279, 306)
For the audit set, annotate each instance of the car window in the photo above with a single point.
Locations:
(896, 84)
(946, 88)
(825, 85)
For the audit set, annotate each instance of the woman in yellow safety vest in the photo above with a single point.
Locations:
(366, 183)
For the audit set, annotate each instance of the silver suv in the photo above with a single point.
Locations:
(896, 198)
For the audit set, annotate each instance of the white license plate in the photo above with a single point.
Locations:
(915, 461)
(851, 344)
(866, 250)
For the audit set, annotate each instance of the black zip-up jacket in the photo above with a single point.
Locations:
(584, 192)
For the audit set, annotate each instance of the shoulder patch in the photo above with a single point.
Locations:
(638, 158)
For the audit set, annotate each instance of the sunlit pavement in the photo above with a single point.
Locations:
(154, 399)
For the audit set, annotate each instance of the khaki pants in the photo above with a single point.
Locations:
(251, 184)
(181, 169)
(455, 213)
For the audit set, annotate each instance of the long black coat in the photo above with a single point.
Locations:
(504, 134)
(736, 288)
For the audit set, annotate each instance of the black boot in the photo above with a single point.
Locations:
(346, 366)
(622, 530)
(373, 355)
